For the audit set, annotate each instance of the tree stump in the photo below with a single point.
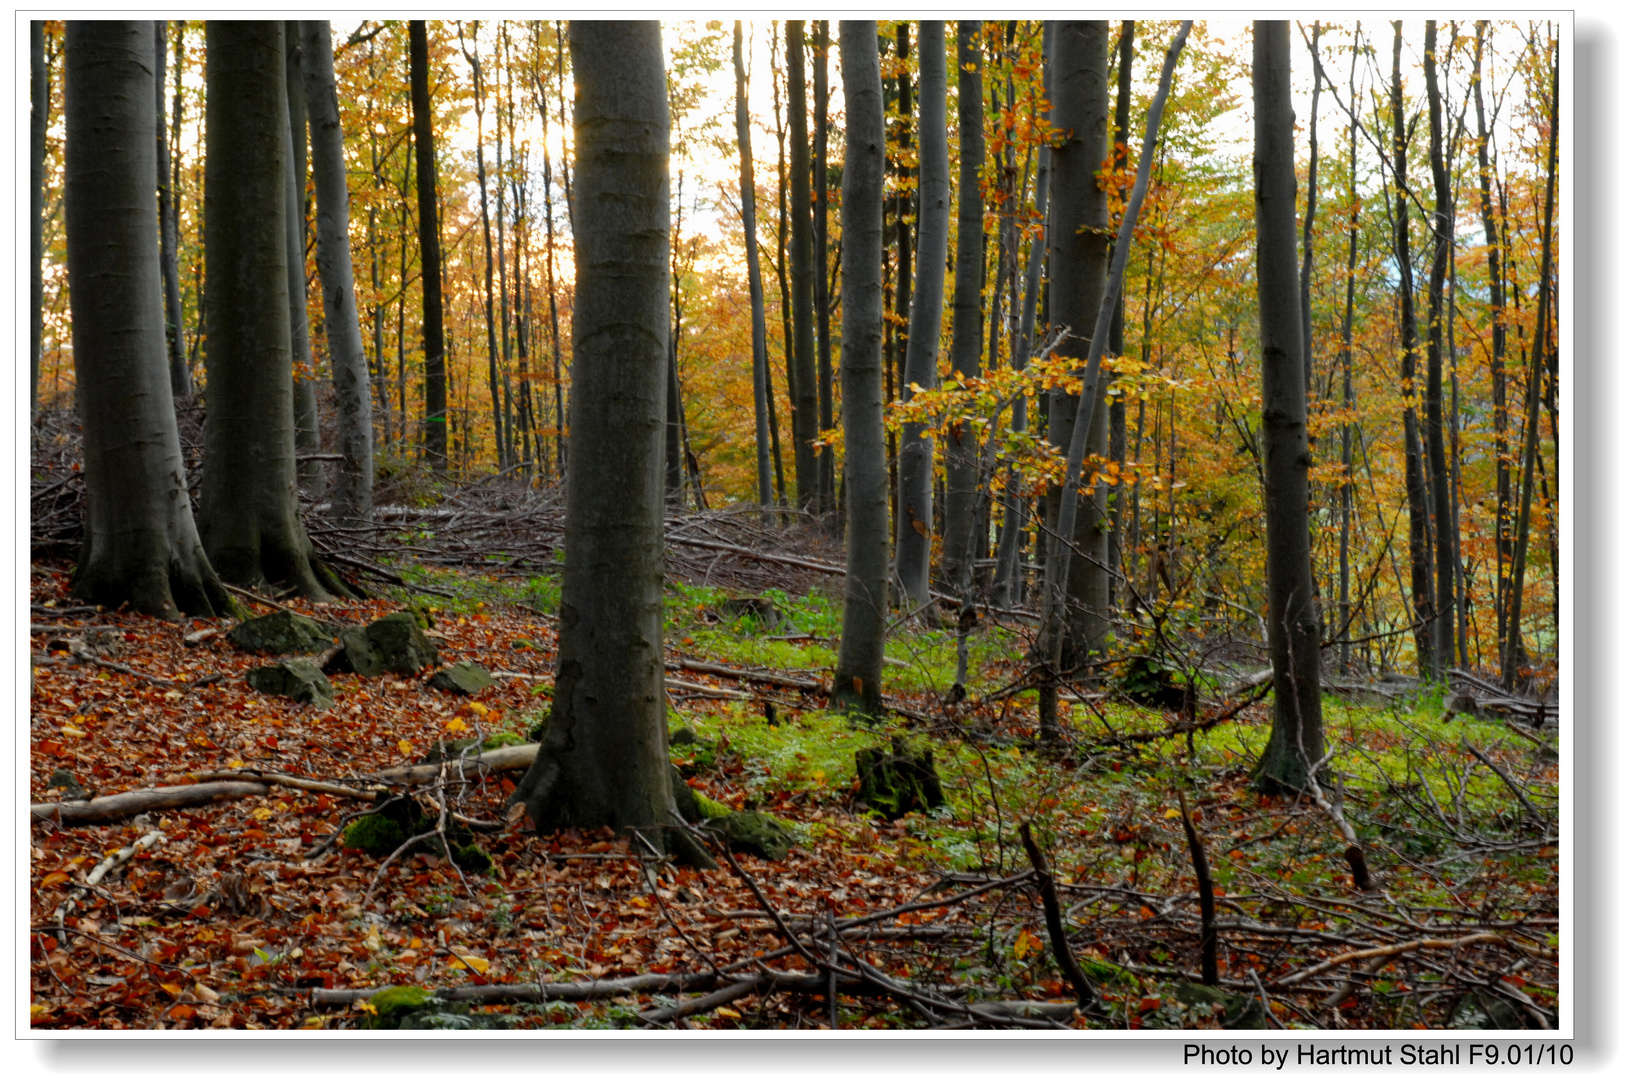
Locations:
(897, 782)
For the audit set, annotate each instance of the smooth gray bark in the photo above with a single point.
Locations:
(757, 302)
(249, 518)
(1078, 270)
(807, 464)
(1294, 632)
(141, 546)
(1441, 488)
(352, 497)
(1347, 330)
(1092, 406)
(181, 380)
(309, 470)
(604, 758)
(1117, 434)
(39, 95)
(965, 346)
(480, 94)
(435, 438)
(914, 462)
(820, 260)
(1496, 359)
(862, 222)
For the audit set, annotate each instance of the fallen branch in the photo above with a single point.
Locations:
(1330, 964)
(504, 759)
(102, 870)
(130, 803)
(1515, 788)
(1065, 959)
(708, 667)
(301, 783)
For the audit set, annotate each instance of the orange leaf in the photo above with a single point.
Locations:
(52, 879)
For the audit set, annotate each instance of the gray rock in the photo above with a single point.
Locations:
(281, 632)
(394, 643)
(298, 679)
(463, 678)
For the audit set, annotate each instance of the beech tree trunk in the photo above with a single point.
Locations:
(1078, 270)
(249, 518)
(820, 260)
(604, 759)
(181, 380)
(140, 546)
(868, 536)
(501, 444)
(965, 348)
(1117, 437)
(1424, 613)
(352, 497)
(915, 465)
(1294, 631)
(1346, 342)
(435, 437)
(309, 471)
(1442, 245)
(1496, 361)
(757, 302)
(802, 279)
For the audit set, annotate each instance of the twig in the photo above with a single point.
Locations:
(1053, 921)
(1301, 976)
(1515, 789)
(1206, 896)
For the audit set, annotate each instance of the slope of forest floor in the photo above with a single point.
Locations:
(245, 913)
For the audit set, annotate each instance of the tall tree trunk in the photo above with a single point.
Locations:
(1092, 403)
(181, 380)
(757, 303)
(352, 498)
(1424, 614)
(39, 93)
(1442, 244)
(1294, 631)
(141, 547)
(820, 261)
(309, 470)
(868, 536)
(1078, 269)
(604, 758)
(435, 434)
(802, 279)
(1117, 445)
(1512, 654)
(1496, 358)
(1311, 201)
(249, 513)
(915, 465)
(901, 295)
(1346, 342)
(479, 91)
(965, 347)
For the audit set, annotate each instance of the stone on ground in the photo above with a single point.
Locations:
(393, 643)
(281, 632)
(298, 679)
(463, 678)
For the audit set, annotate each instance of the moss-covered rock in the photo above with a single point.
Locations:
(393, 643)
(68, 784)
(298, 679)
(388, 1007)
(463, 678)
(374, 834)
(472, 859)
(1241, 1012)
(281, 632)
(753, 832)
(895, 782)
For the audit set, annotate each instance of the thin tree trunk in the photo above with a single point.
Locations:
(1513, 643)
(915, 465)
(1442, 241)
(39, 91)
(1311, 200)
(820, 261)
(604, 759)
(1346, 342)
(1092, 405)
(501, 444)
(1117, 448)
(309, 470)
(1294, 632)
(141, 547)
(181, 380)
(435, 437)
(352, 498)
(901, 295)
(802, 279)
(868, 537)
(1418, 528)
(757, 304)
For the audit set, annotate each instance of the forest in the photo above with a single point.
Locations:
(783, 524)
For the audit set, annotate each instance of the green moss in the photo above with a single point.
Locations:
(709, 807)
(394, 1003)
(374, 834)
(473, 859)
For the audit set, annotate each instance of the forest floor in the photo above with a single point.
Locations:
(245, 913)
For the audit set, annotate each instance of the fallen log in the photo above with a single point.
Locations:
(709, 667)
(504, 759)
(130, 803)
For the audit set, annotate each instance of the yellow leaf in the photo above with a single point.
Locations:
(371, 940)
(477, 708)
(235, 764)
(474, 963)
(405, 747)
(1172, 813)
(456, 725)
(733, 1014)
(313, 1022)
(261, 813)
(1026, 942)
(171, 989)
(54, 878)
(366, 1007)
(73, 732)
